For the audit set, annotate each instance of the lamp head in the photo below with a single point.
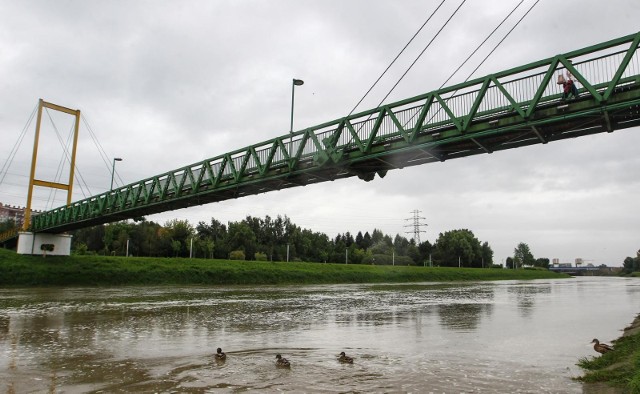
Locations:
(298, 82)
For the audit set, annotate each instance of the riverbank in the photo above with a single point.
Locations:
(619, 368)
(21, 270)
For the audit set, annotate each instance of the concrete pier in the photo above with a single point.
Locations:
(36, 243)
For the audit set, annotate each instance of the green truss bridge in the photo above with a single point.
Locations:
(509, 109)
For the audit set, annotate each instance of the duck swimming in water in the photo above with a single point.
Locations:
(345, 359)
(220, 356)
(601, 347)
(282, 362)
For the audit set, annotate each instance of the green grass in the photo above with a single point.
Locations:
(619, 368)
(21, 270)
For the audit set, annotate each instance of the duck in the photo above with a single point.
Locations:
(343, 358)
(601, 347)
(220, 356)
(282, 362)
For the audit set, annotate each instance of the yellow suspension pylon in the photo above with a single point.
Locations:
(35, 182)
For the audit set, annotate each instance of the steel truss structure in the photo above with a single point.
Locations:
(513, 108)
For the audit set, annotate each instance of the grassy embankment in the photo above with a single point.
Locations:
(21, 270)
(621, 367)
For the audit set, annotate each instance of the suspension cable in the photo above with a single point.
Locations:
(66, 154)
(503, 38)
(483, 60)
(16, 146)
(415, 61)
(103, 154)
(54, 192)
(481, 44)
(423, 51)
(397, 56)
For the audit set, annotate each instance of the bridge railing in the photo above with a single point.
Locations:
(8, 234)
(598, 70)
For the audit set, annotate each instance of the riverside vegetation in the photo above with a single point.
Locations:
(23, 270)
(619, 368)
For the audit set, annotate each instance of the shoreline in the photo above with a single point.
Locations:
(618, 371)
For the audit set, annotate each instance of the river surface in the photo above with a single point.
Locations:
(481, 337)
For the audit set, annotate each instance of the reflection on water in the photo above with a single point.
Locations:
(526, 295)
(506, 336)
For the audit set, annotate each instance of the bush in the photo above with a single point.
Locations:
(385, 259)
(261, 256)
(80, 249)
(237, 255)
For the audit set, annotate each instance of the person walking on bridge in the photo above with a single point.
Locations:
(568, 85)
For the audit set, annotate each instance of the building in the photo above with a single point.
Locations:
(15, 213)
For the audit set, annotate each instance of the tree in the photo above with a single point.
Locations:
(509, 262)
(542, 262)
(522, 255)
(360, 240)
(208, 246)
(381, 247)
(366, 241)
(400, 245)
(376, 236)
(356, 255)
(176, 246)
(632, 264)
(487, 255)
(414, 253)
(458, 247)
(242, 237)
(181, 231)
(348, 239)
(425, 249)
(7, 225)
(217, 232)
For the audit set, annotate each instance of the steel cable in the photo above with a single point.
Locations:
(397, 56)
(16, 146)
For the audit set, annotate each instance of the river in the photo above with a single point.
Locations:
(489, 337)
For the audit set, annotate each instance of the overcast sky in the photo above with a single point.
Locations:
(163, 84)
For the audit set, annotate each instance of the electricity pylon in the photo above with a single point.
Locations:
(416, 226)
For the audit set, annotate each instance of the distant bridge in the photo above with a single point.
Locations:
(509, 109)
(577, 271)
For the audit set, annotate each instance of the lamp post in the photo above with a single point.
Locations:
(113, 170)
(296, 82)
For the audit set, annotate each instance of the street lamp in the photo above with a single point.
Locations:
(113, 169)
(296, 82)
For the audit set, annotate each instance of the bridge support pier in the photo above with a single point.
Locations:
(44, 243)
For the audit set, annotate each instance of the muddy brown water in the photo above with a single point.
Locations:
(502, 337)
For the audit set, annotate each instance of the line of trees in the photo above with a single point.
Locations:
(275, 239)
